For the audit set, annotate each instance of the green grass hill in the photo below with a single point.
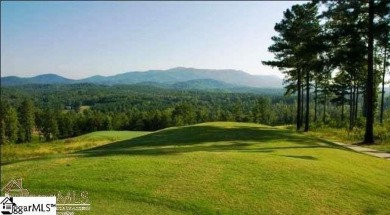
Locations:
(209, 168)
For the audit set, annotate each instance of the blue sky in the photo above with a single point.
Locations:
(81, 39)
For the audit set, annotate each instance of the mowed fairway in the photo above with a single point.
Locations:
(215, 168)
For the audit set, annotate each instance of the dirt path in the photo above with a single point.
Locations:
(367, 151)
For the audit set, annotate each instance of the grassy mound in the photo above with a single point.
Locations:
(215, 168)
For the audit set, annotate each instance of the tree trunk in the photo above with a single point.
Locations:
(383, 85)
(307, 100)
(299, 100)
(369, 134)
(324, 114)
(302, 97)
(356, 102)
(342, 106)
(351, 107)
(353, 104)
(315, 101)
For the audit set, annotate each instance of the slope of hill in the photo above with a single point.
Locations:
(13, 80)
(170, 76)
(215, 168)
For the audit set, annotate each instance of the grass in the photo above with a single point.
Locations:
(215, 168)
(14, 152)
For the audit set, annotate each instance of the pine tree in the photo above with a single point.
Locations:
(345, 26)
(26, 120)
(382, 37)
(50, 125)
(10, 124)
(369, 133)
(296, 50)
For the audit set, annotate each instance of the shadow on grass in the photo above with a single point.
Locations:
(211, 139)
(300, 157)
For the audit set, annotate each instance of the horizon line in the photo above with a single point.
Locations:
(149, 70)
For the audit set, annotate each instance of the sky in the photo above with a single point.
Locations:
(81, 39)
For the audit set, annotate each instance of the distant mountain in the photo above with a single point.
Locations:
(194, 77)
(202, 84)
(94, 79)
(182, 74)
(40, 79)
(13, 80)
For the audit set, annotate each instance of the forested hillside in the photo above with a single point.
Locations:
(61, 111)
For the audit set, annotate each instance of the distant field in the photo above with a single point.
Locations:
(82, 108)
(213, 168)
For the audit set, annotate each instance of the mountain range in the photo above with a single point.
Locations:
(179, 77)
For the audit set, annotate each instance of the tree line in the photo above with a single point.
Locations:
(338, 55)
(51, 112)
(56, 111)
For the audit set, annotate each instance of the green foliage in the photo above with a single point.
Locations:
(50, 125)
(310, 47)
(137, 108)
(183, 114)
(10, 124)
(355, 135)
(26, 121)
(298, 50)
(58, 113)
(262, 111)
(66, 124)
